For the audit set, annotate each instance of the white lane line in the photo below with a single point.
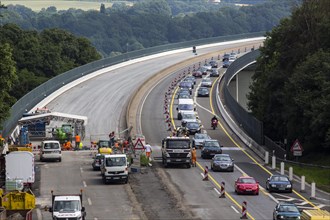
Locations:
(95, 218)
(215, 189)
(303, 203)
(89, 201)
(235, 209)
(202, 175)
(81, 170)
(84, 183)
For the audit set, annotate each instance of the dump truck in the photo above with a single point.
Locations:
(67, 206)
(17, 205)
(176, 151)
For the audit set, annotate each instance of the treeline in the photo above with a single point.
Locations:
(291, 88)
(29, 58)
(150, 23)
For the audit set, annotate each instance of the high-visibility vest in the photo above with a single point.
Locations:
(77, 138)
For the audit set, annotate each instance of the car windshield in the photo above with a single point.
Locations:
(67, 206)
(206, 80)
(203, 89)
(211, 144)
(185, 84)
(193, 125)
(115, 161)
(188, 116)
(288, 208)
(104, 143)
(280, 179)
(222, 158)
(51, 146)
(186, 107)
(201, 136)
(247, 180)
(175, 144)
(184, 96)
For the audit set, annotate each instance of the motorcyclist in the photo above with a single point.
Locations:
(214, 118)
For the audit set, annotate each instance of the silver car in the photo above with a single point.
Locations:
(222, 162)
(198, 139)
(206, 82)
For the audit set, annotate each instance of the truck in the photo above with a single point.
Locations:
(20, 167)
(67, 206)
(114, 168)
(176, 151)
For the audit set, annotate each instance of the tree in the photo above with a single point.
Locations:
(8, 78)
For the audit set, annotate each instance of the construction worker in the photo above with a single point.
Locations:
(77, 141)
(67, 145)
(193, 157)
(112, 138)
(148, 150)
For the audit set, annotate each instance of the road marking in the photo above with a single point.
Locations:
(303, 203)
(84, 183)
(231, 148)
(95, 218)
(217, 191)
(89, 201)
(81, 170)
(235, 209)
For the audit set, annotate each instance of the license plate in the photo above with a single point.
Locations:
(178, 151)
(281, 188)
(248, 190)
(116, 178)
(178, 159)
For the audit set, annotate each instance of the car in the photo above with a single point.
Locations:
(278, 183)
(214, 72)
(186, 90)
(191, 78)
(231, 59)
(190, 81)
(214, 64)
(233, 54)
(246, 185)
(203, 92)
(184, 95)
(193, 127)
(211, 148)
(226, 64)
(186, 84)
(203, 70)
(206, 82)
(188, 117)
(207, 66)
(286, 210)
(197, 73)
(222, 162)
(97, 162)
(199, 139)
(225, 57)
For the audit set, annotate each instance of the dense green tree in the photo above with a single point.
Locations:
(7, 78)
(290, 92)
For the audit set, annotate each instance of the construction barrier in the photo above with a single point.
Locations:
(315, 215)
(206, 174)
(244, 210)
(222, 190)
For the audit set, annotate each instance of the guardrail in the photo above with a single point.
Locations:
(31, 99)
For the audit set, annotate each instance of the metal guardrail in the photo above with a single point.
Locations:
(32, 98)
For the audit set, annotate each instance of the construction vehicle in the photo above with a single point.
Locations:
(104, 147)
(67, 206)
(20, 167)
(315, 215)
(64, 133)
(17, 204)
(176, 150)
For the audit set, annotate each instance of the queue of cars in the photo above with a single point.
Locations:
(211, 148)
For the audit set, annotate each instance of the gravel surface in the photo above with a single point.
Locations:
(158, 196)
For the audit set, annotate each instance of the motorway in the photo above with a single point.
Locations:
(103, 100)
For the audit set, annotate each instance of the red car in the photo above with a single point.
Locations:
(246, 185)
(197, 74)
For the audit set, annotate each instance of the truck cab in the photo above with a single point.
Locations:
(115, 168)
(177, 151)
(67, 206)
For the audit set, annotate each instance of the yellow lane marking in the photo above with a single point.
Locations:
(227, 194)
(246, 153)
(171, 108)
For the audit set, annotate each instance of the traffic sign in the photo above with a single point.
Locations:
(139, 144)
(296, 148)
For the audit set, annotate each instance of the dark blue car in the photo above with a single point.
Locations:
(278, 183)
(286, 211)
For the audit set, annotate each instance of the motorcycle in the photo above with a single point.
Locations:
(214, 124)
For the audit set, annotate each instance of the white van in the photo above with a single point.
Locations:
(115, 168)
(50, 150)
(185, 105)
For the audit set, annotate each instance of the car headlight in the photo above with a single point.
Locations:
(281, 216)
(189, 154)
(288, 186)
(273, 185)
(167, 154)
(298, 217)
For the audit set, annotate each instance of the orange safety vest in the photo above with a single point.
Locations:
(77, 138)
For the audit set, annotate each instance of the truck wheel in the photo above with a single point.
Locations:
(60, 160)
(104, 180)
(126, 181)
(188, 165)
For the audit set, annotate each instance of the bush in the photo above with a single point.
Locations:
(144, 161)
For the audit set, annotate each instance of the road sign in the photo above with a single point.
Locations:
(139, 144)
(296, 148)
